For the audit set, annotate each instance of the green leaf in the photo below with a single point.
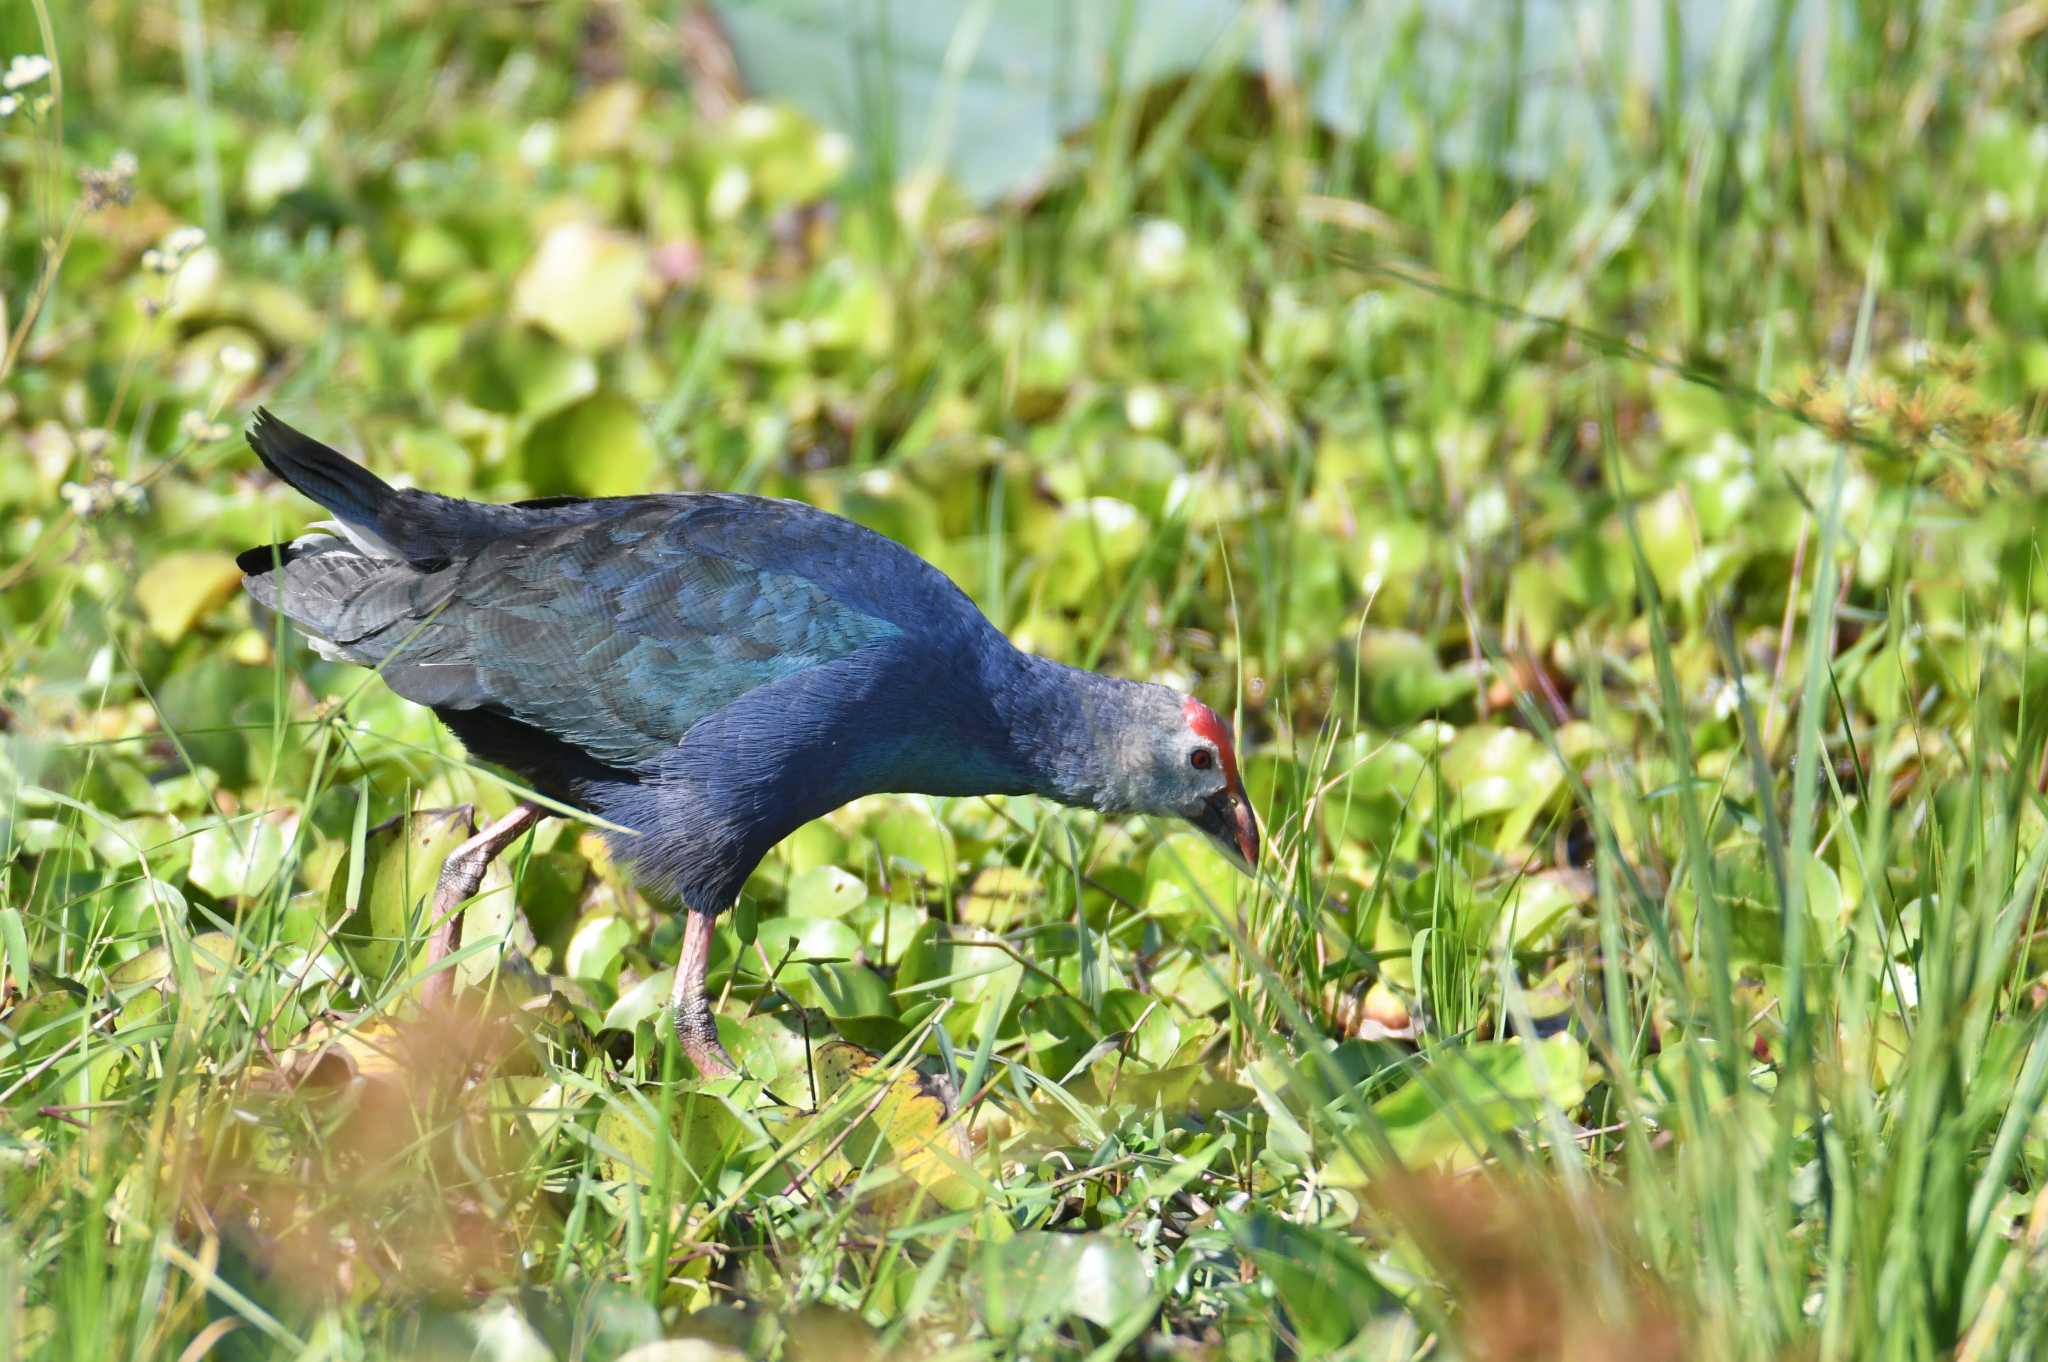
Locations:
(1321, 1280)
(912, 838)
(1041, 1276)
(595, 946)
(844, 990)
(1189, 881)
(804, 939)
(238, 860)
(826, 891)
(401, 866)
(597, 448)
(179, 588)
(279, 164)
(1448, 1110)
(642, 1001)
(583, 286)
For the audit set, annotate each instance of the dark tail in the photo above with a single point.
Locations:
(357, 496)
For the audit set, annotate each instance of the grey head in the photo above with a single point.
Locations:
(1137, 748)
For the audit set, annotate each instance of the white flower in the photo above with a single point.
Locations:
(185, 240)
(195, 427)
(1159, 255)
(8, 104)
(26, 69)
(1145, 408)
(237, 360)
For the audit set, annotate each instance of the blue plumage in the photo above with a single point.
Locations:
(711, 670)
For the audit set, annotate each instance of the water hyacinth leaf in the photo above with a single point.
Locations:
(1537, 908)
(1151, 1028)
(776, 1045)
(703, 1132)
(905, 1125)
(16, 966)
(595, 946)
(1403, 680)
(213, 958)
(598, 447)
(524, 372)
(1194, 983)
(843, 990)
(1448, 1111)
(1321, 1279)
(179, 589)
(1187, 880)
(583, 286)
(643, 1001)
(912, 838)
(237, 860)
(886, 930)
(804, 940)
(997, 895)
(825, 891)
(1493, 770)
(279, 164)
(401, 864)
(1043, 1276)
(1381, 786)
(1059, 1031)
(1096, 538)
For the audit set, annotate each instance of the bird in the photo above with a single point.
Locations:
(705, 672)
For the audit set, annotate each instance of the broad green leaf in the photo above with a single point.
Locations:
(176, 590)
(913, 838)
(998, 895)
(595, 946)
(237, 860)
(583, 286)
(1321, 1279)
(279, 164)
(1189, 881)
(598, 448)
(1041, 1276)
(1449, 1109)
(403, 863)
(826, 891)
(906, 1128)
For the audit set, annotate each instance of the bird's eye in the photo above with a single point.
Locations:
(1201, 758)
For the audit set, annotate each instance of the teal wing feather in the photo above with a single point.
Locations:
(616, 635)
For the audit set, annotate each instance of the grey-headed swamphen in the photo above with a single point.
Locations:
(710, 671)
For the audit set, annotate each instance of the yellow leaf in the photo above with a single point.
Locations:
(908, 1122)
(583, 286)
(180, 587)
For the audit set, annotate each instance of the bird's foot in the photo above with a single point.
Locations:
(462, 874)
(697, 1029)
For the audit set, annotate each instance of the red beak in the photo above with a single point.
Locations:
(1227, 820)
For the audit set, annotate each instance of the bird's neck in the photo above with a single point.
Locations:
(1063, 730)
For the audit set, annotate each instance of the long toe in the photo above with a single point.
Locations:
(698, 1032)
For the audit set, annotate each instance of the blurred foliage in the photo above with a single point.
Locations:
(1624, 587)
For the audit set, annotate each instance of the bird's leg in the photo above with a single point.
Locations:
(461, 874)
(695, 1027)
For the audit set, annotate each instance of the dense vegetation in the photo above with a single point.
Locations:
(1625, 585)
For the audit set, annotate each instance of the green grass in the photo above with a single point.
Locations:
(1628, 597)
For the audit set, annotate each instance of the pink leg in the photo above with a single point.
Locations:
(695, 1027)
(461, 874)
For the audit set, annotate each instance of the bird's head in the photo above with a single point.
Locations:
(1177, 760)
(1213, 798)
